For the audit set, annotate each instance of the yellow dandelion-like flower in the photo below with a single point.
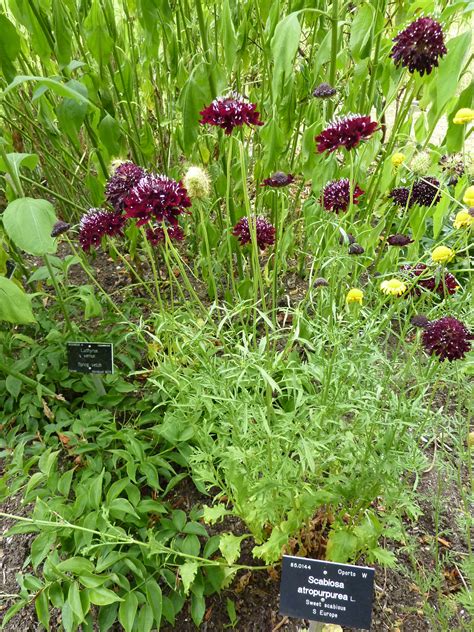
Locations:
(393, 287)
(464, 115)
(355, 296)
(197, 183)
(398, 158)
(442, 254)
(463, 219)
(469, 196)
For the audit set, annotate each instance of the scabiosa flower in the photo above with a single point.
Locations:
(419, 46)
(59, 228)
(448, 338)
(347, 238)
(401, 196)
(230, 112)
(356, 249)
(393, 287)
(265, 232)
(453, 166)
(441, 284)
(196, 181)
(463, 219)
(337, 196)
(97, 223)
(156, 198)
(421, 163)
(399, 240)
(346, 132)
(321, 282)
(156, 234)
(123, 179)
(426, 192)
(324, 91)
(278, 179)
(420, 320)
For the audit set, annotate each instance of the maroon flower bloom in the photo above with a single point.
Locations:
(265, 232)
(324, 91)
(156, 234)
(356, 249)
(448, 338)
(346, 132)
(156, 198)
(440, 284)
(59, 228)
(401, 197)
(321, 282)
(230, 112)
(420, 320)
(337, 196)
(419, 46)
(278, 179)
(399, 240)
(122, 181)
(96, 224)
(426, 192)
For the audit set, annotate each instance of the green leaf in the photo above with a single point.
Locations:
(76, 565)
(42, 608)
(15, 305)
(229, 545)
(74, 599)
(198, 608)
(13, 385)
(107, 617)
(342, 546)
(195, 96)
(188, 573)
(97, 37)
(41, 547)
(102, 596)
(128, 611)
(67, 617)
(10, 45)
(361, 31)
(145, 618)
(450, 66)
(110, 134)
(119, 506)
(284, 46)
(212, 515)
(28, 223)
(17, 160)
(155, 599)
(229, 38)
(53, 84)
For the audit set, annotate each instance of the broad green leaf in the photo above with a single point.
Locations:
(284, 46)
(41, 547)
(110, 134)
(98, 39)
(15, 305)
(76, 565)
(74, 599)
(155, 599)
(229, 545)
(450, 66)
(214, 514)
(198, 608)
(9, 47)
(56, 86)
(188, 572)
(28, 223)
(17, 160)
(342, 546)
(13, 385)
(361, 29)
(195, 96)
(229, 37)
(128, 611)
(145, 618)
(42, 608)
(102, 596)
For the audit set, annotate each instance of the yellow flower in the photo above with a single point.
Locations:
(470, 440)
(464, 115)
(397, 159)
(463, 219)
(394, 287)
(354, 296)
(469, 196)
(442, 254)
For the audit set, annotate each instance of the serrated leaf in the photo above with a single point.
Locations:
(188, 573)
(214, 514)
(229, 545)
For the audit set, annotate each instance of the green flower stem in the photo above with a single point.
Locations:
(334, 51)
(132, 270)
(229, 217)
(59, 295)
(151, 258)
(183, 272)
(27, 380)
(210, 270)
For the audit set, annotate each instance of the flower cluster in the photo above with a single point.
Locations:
(119, 185)
(399, 240)
(337, 195)
(279, 179)
(156, 198)
(324, 91)
(346, 132)
(230, 112)
(419, 46)
(424, 192)
(265, 232)
(156, 234)
(442, 283)
(447, 338)
(97, 223)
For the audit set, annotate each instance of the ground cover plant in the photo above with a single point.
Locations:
(267, 209)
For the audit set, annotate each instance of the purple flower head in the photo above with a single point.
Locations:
(324, 91)
(453, 166)
(122, 181)
(426, 192)
(156, 234)
(448, 338)
(336, 195)
(97, 223)
(401, 197)
(419, 46)
(230, 112)
(278, 179)
(59, 228)
(321, 282)
(156, 198)
(356, 249)
(446, 283)
(420, 320)
(346, 132)
(264, 230)
(399, 240)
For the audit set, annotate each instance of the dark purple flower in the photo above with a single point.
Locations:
(346, 132)
(401, 197)
(278, 179)
(356, 249)
(336, 195)
(59, 228)
(265, 232)
(321, 282)
(97, 223)
(156, 198)
(349, 238)
(441, 284)
(156, 234)
(453, 166)
(230, 112)
(448, 338)
(324, 91)
(420, 320)
(122, 181)
(426, 192)
(399, 240)
(419, 46)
